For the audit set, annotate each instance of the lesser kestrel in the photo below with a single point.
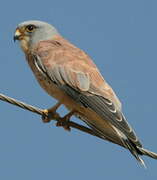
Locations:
(69, 75)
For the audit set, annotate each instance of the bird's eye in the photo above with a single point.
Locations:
(30, 28)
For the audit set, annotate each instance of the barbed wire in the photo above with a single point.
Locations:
(43, 113)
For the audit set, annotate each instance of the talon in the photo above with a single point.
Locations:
(49, 114)
(46, 116)
(63, 123)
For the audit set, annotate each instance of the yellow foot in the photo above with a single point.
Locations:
(48, 116)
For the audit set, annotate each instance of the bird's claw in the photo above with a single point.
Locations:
(47, 116)
(63, 122)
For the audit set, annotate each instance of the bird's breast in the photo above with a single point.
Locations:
(44, 81)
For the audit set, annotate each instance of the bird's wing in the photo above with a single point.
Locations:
(74, 72)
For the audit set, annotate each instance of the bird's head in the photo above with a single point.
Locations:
(30, 33)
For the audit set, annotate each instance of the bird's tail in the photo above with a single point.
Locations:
(134, 151)
(147, 152)
(139, 151)
(127, 143)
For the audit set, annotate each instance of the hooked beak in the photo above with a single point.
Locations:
(17, 35)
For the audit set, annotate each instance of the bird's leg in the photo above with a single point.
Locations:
(50, 113)
(64, 120)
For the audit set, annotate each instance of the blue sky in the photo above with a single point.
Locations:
(121, 38)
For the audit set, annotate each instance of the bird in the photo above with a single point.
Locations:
(70, 76)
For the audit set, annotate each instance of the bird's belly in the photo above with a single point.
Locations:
(49, 87)
(52, 89)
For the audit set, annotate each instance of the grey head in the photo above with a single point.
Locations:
(34, 31)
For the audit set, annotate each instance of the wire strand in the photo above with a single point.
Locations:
(42, 112)
(21, 104)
